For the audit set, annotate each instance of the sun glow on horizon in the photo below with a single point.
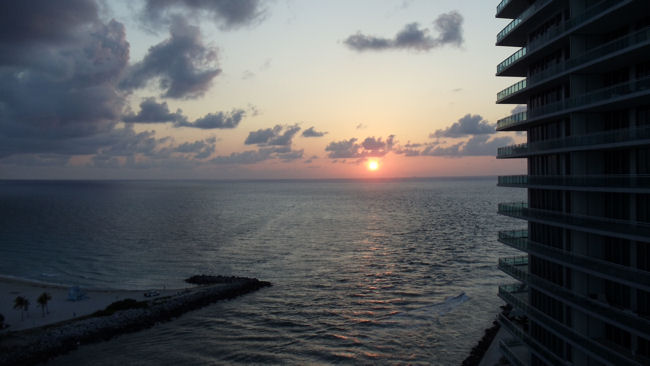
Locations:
(373, 165)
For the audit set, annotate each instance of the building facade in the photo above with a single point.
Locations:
(582, 295)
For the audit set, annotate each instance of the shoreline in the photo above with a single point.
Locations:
(59, 308)
(58, 335)
(479, 351)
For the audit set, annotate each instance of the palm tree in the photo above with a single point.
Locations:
(22, 304)
(42, 302)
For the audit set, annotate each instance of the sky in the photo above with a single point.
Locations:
(251, 89)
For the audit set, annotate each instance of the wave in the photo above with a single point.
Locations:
(437, 309)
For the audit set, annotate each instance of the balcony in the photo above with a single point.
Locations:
(623, 137)
(511, 60)
(604, 52)
(629, 276)
(508, 350)
(513, 120)
(558, 32)
(512, 295)
(593, 183)
(511, 90)
(632, 230)
(509, 9)
(534, 346)
(616, 94)
(515, 23)
(517, 267)
(595, 55)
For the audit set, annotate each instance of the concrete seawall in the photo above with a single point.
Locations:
(33, 346)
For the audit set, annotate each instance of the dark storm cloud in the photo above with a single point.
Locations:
(276, 136)
(466, 126)
(351, 149)
(311, 132)
(183, 66)
(449, 27)
(58, 83)
(44, 21)
(229, 13)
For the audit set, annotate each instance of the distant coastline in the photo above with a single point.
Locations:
(258, 180)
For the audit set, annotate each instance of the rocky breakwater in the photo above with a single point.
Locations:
(37, 345)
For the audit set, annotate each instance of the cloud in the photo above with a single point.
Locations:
(412, 37)
(58, 87)
(476, 146)
(183, 66)
(256, 156)
(276, 136)
(343, 149)
(311, 132)
(152, 112)
(228, 13)
(216, 120)
(43, 22)
(351, 149)
(466, 126)
(361, 126)
(200, 149)
(518, 109)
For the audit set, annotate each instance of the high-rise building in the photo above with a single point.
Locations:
(583, 290)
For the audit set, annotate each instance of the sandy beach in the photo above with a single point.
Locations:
(60, 308)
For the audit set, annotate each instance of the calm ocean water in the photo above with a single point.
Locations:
(357, 266)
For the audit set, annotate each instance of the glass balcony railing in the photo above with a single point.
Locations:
(513, 120)
(517, 267)
(588, 345)
(623, 135)
(512, 89)
(511, 59)
(613, 93)
(633, 230)
(557, 31)
(633, 277)
(521, 18)
(598, 96)
(628, 182)
(633, 40)
(506, 350)
(578, 20)
(537, 348)
(502, 5)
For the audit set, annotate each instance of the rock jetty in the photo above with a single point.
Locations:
(478, 351)
(33, 346)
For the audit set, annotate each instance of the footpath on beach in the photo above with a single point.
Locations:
(101, 316)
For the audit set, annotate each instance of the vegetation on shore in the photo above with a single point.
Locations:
(22, 304)
(125, 304)
(37, 345)
(42, 301)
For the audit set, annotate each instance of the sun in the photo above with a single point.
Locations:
(373, 165)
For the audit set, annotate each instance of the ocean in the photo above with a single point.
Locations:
(363, 272)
